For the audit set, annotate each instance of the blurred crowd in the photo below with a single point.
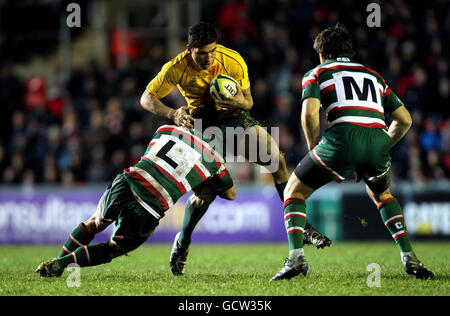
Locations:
(91, 127)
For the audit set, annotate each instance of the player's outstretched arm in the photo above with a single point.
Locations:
(401, 122)
(180, 116)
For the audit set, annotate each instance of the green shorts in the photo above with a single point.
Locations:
(244, 120)
(346, 148)
(119, 205)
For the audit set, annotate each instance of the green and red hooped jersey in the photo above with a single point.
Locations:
(350, 93)
(175, 162)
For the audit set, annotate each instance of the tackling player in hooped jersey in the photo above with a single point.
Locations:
(357, 102)
(191, 72)
(175, 162)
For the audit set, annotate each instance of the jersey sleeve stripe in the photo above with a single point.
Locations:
(388, 91)
(309, 81)
(328, 88)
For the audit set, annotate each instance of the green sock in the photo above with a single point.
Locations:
(84, 256)
(392, 216)
(79, 237)
(295, 221)
(192, 216)
(280, 189)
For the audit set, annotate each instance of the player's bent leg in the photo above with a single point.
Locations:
(268, 148)
(85, 232)
(83, 256)
(196, 206)
(263, 150)
(310, 177)
(306, 178)
(295, 221)
(296, 193)
(392, 215)
(178, 257)
(90, 255)
(96, 224)
(82, 235)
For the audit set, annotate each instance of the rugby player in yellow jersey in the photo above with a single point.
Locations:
(191, 72)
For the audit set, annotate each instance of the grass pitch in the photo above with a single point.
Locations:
(232, 270)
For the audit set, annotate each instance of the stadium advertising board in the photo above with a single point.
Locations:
(48, 216)
(43, 216)
(427, 215)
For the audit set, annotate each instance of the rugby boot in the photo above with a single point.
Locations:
(291, 269)
(178, 257)
(313, 237)
(416, 268)
(49, 268)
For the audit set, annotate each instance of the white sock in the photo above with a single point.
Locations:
(295, 253)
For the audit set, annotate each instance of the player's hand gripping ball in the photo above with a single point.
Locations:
(225, 84)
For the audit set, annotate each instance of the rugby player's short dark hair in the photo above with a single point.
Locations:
(334, 42)
(201, 34)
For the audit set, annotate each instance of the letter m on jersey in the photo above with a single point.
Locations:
(350, 85)
(358, 99)
(357, 89)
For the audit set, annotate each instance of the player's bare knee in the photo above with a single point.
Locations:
(289, 190)
(379, 197)
(91, 225)
(296, 189)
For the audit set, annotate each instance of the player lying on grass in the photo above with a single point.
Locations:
(191, 72)
(175, 161)
(356, 100)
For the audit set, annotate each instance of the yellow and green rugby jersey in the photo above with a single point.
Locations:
(350, 93)
(193, 83)
(175, 162)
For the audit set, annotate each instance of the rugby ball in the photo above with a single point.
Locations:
(225, 84)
